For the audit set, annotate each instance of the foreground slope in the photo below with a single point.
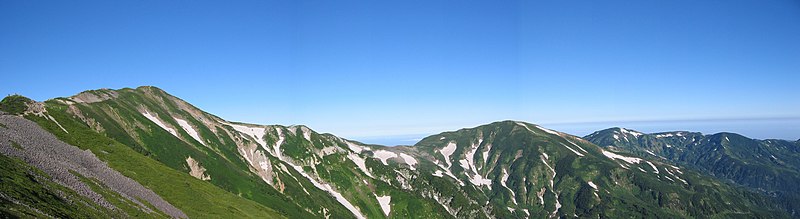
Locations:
(195, 198)
(43, 177)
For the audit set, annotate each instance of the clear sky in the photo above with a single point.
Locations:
(370, 69)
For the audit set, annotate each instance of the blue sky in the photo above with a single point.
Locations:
(372, 69)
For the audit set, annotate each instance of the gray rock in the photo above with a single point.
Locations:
(43, 150)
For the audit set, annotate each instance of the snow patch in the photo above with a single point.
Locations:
(59, 124)
(620, 157)
(189, 129)
(573, 150)
(593, 185)
(409, 160)
(330, 190)
(653, 166)
(503, 183)
(679, 134)
(276, 149)
(447, 151)
(256, 132)
(468, 163)
(158, 122)
(631, 132)
(548, 131)
(384, 156)
(553, 188)
(438, 173)
(360, 163)
(384, 201)
(478, 180)
(354, 147)
(576, 145)
(486, 154)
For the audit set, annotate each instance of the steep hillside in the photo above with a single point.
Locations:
(536, 172)
(44, 177)
(505, 169)
(770, 166)
(300, 173)
(195, 198)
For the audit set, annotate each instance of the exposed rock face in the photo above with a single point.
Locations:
(94, 96)
(56, 158)
(196, 170)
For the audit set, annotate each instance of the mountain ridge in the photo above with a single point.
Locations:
(769, 166)
(505, 169)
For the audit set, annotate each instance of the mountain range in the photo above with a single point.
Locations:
(145, 153)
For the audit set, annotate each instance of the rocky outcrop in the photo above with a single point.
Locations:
(44, 151)
(196, 170)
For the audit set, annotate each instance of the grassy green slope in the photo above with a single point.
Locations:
(122, 122)
(28, 192)
(622, 192)
(196, 198)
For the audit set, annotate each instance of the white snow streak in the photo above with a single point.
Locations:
(576, 145)
(631, 132)
(384, 156)
(486, 154)
(409, 160)
(276, 149)
(593, 185)
(158, 122)
(356, 148)
(360, 163)
(447, 151)
(329, 189)
(503, 183)
(189, 129)
(59, 124)
(669, 135)
(620, 157)
(526, 127)
(384, 201)
(653, 166)
(573, 150)
(553, 188)
(468, 163)
(548, 131)
(256, 132)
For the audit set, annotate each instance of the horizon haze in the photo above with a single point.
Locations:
(378, 70)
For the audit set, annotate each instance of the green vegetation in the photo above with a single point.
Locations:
(543, 173)
(16, 145)
(26, 191)
(124, 124)
(196, 198)
(130, 208)
(15, 104)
